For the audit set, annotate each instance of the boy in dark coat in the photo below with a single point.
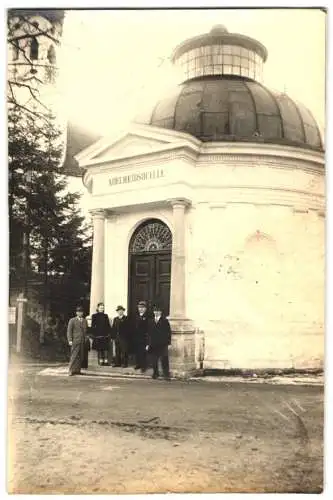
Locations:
(120, 334)
(141, 336)
(159, 335)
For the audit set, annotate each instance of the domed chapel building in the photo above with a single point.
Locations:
(212, 204)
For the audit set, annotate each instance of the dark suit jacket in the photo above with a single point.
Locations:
(159, 334)
(141, 325)
(121, 328)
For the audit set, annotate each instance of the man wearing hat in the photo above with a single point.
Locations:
(141, 336)
(76, 336)
(120, 334)
(159, 340)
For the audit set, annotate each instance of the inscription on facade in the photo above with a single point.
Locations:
(143, 176)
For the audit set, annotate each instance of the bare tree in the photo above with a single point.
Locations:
(26, 75)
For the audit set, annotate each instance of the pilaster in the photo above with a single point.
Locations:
(182, 354)
(98, 259)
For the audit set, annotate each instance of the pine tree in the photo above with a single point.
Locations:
(48, 240)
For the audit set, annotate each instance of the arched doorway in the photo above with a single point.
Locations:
(150, 265)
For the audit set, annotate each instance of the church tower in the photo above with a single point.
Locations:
(34, 37)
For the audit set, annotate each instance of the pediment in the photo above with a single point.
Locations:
(130, 145)
(135, 141)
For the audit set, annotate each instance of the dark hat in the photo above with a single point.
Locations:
(79, 309)
(142, 303)
(156, 307)
(120, 308)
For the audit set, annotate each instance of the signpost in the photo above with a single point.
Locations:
(20, 320)
(12, 315)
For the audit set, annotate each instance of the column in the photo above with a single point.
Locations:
(97, 270)
(177, 289)
(182, 354)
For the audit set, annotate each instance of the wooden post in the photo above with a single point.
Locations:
(21, 311)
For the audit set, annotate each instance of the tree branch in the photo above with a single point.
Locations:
(34, 33)
(26, 31)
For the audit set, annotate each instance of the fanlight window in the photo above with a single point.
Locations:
(152, 236)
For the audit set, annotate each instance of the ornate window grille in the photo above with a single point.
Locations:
(151, 236)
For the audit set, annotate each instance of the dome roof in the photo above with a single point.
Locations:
(222, 97)
(235, 109)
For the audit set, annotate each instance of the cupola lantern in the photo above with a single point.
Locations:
(220, 53)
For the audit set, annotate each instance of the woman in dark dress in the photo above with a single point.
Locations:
(100, 330)
(121, 335)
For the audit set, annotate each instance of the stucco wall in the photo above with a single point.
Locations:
(254, 237)
(255, 276)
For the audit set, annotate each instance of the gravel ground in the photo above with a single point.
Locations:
(76, 435)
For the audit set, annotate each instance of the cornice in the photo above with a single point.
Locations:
(260, 160)
(295, 200)
(273, 150)
(206, 160)
(150, 157)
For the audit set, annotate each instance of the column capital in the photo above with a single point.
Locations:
(183, 202)
(98, 213)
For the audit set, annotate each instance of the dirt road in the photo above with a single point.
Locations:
(96, 435)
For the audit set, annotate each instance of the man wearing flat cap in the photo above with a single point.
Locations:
(159, 341)
(120, 334)
(77, 340)
(141, 336)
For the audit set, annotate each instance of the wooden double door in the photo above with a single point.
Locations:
(150, 276)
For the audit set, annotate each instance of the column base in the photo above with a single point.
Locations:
(182, 352)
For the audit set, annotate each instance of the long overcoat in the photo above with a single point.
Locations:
(141, 324)
(159, 334)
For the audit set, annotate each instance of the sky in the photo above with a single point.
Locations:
(115, 64)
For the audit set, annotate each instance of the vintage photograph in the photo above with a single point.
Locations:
(166, 207)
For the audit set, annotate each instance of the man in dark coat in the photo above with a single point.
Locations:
(121, 334)
(141, 336)
(76, 336)
(159, 340)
